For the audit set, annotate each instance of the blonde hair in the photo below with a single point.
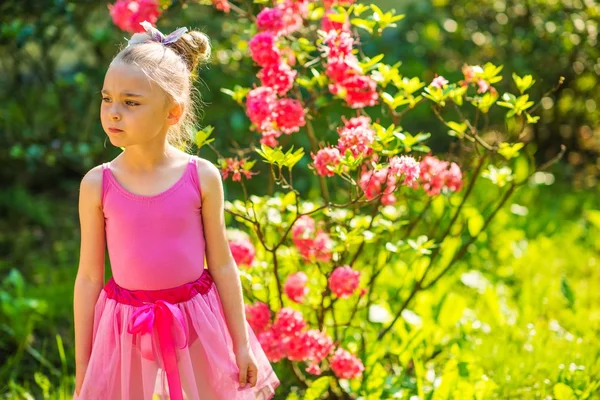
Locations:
(173, 68)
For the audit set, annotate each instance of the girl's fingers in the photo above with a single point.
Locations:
(252, 374)
(243, 376)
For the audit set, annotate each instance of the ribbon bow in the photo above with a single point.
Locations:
(170, 331)
(156, 35)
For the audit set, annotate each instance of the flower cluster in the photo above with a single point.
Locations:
(128, 14)
(236, 167)
(313, 245)
(343, 70)
(439, 176)
(287, 337)
(241, 247)
(295, 287)
(356, 135)
(267, 107)
(344, 281)
(473, 75)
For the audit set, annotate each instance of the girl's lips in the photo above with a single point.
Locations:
(114, 130)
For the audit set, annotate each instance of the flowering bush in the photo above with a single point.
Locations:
(330, 279)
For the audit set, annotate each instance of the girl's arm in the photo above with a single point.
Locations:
(221, 264)
(90, 274)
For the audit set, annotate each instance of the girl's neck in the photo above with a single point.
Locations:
(143, 158)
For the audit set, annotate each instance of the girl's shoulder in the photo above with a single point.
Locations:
(91, 185)
(209, 174)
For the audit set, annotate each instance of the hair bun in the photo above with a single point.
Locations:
(194, 47)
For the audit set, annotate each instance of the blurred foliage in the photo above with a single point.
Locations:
(545, 38)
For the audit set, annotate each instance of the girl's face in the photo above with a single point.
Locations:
(134, 110)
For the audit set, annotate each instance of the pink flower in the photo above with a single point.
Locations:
(291, 19)
(437, 176)
(439, 82)
(314, 369)
(454, 178)
(319, 343)
(482, 86)
(258, 316)
(288, 322)
(260, 106)
(312, 345)
(345, 365)
(380, 182)
(357, 139)
(128, 14)
(263, 49)
(337, 44)
(295, 287)
(269, 138)
(237, 167)
(470, 72)
(270, 19)
(310, 245)
(318, 248)
(326, 160)
(304, 228)
(338, 69)
(361, 91)
(279, 76)
(407, 167)
(273, 345)
(289, 115)
(344, 281)
(323, 246)
(222, 5)
(297, 348)
(242, 251)
(355, 122)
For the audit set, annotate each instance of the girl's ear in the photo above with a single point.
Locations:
(175, 112)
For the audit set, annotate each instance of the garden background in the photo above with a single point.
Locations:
(516, 314)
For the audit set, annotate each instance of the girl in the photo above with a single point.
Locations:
(163, 325)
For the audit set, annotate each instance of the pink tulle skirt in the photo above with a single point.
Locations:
(168, 344)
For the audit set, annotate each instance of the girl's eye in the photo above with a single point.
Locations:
(131, 103)
(105, 99)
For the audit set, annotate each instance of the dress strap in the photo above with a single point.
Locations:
(105, 179)
(194, 174)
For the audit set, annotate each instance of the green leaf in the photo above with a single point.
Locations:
(201, 137)
(567, 291)
(370, 62)
(532, 120)
(457, 129)
(317, 388)
(563, 392)
(523, 83)
(510, 151)
(475, 223)
(363, 23)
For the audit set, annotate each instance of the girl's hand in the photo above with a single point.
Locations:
(247, 365)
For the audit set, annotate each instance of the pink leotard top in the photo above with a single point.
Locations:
(154, 242)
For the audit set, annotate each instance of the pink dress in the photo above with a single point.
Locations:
(159, 328)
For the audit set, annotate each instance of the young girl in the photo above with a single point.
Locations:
(163, 325)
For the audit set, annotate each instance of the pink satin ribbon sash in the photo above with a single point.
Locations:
(160, 323)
